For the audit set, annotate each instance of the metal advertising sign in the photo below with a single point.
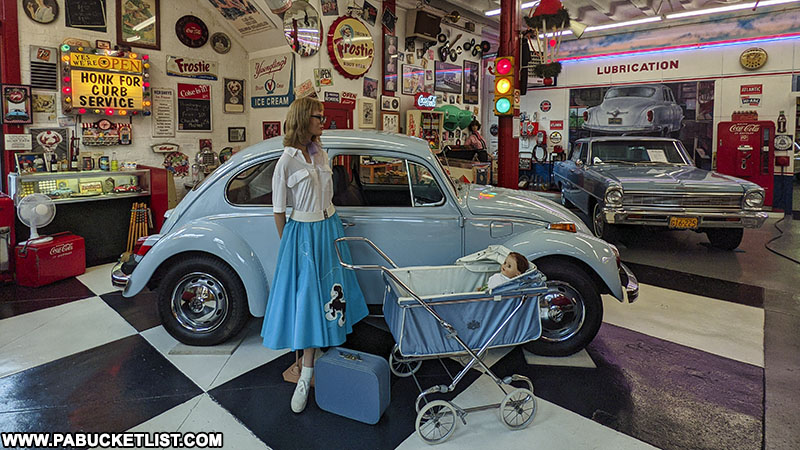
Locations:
(179, 66)
(350, 47)
(243, 15)
(272, 81)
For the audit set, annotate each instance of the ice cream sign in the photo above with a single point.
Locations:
(350, 47)
(97, 81)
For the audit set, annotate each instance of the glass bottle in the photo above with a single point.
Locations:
(781, 123)
(53, 163)
(114, 162)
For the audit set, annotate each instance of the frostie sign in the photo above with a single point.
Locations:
(350, 47)
(272, 80)
(178, 66)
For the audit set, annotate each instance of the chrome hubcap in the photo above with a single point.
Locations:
(199, 302)
(598, 220)
(562, 312)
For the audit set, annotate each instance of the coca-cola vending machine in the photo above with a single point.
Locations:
(744, 150)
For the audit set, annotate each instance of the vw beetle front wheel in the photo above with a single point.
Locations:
(201, 301)
(571, 310)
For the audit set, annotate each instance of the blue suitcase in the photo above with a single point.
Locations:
(352, 384)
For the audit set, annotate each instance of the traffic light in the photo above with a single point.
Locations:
(504, 86)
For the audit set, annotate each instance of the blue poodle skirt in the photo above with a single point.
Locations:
(313, 301)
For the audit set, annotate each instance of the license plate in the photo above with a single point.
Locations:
(683, 223)
(615, 120)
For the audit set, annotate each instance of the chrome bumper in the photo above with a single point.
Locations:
(118, 277)
(629, 283)
(706, 218)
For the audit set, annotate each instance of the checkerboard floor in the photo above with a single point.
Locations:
(686, 366)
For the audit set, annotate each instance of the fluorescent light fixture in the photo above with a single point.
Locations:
(496, 12)
(612, 25)
(728, 8)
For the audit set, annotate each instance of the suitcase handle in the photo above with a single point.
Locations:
(349, 356)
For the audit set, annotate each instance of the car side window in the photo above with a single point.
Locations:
(584, 152)
(576, 152)
(424, 187)
(360, 180)
(253, 185)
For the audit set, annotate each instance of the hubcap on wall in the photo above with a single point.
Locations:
(199, 302)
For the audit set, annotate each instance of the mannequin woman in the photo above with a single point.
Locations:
(313, 301)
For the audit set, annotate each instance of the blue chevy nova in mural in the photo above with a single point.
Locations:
(215, 256)
(651, 181)
(647, 108)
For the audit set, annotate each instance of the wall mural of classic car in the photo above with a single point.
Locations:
(651, 181)
(680, 110)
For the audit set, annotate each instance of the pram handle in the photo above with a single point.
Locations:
(361, 267)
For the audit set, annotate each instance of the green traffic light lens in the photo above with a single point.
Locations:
(502, 105)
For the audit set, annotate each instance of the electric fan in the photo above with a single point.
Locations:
(36, 210)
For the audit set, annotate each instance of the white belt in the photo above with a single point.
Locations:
(312, 216)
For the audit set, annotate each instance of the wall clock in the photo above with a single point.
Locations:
(191, 31)
(753, 58)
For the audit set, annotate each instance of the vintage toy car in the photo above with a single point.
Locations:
(215, 256)
(649, 108)
(651, 181)
(60, 193)
(125, 188)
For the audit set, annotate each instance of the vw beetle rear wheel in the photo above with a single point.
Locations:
(202, 301)
(571, 310)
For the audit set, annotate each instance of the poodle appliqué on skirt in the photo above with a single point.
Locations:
(335, 308)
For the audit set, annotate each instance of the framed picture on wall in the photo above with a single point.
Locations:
(139, 23)
(471, 82)
(237, 134)
(17, 106)
(413, 79)
(30, 163)
(43, 11)
(390, 121)
(367, 113)
(448, 77)
(271, 129)
(390, 63)
(86, 14)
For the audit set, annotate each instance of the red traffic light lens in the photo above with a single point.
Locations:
(503, 66)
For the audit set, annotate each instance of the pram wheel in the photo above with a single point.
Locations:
(436, 421)
(400, 366)
(518, 409)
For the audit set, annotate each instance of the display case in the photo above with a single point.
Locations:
(72, 187)
(427, 125)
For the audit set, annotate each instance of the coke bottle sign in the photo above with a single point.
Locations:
(424, 101)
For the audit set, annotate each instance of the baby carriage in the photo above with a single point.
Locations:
(436, 311)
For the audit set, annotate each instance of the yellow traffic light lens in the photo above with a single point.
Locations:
(502, 106)
(503, 66)
(503, 86)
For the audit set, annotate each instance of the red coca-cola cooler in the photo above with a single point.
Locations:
(43, 263)
(7, 215)
(745, 150)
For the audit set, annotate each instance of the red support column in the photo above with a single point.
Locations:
(9, 72)
(508, 145)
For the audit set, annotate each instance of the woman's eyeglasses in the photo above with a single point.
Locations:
(321, 118)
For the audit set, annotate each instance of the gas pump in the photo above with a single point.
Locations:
(745, 150)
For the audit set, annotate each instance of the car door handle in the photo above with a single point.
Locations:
(346, 224)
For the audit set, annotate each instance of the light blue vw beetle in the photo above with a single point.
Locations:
(215, 257)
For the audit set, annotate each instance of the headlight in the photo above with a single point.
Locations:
(613, 197)
(754, 199)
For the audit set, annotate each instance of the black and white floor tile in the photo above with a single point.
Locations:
(683, 367)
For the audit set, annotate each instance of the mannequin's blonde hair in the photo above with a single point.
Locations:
(297, 122)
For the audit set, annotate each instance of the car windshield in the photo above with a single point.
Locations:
(637, 152)
(453, 184)
(633, 91)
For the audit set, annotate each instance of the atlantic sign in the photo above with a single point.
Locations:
(179, 66)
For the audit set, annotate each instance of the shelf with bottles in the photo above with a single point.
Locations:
(71, 187)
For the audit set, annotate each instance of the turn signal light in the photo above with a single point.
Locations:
(563, 226)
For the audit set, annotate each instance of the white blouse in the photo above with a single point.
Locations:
(306, 187)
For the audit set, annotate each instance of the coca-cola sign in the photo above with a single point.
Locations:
(745, 128)
(61, 249)
(424, 101)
